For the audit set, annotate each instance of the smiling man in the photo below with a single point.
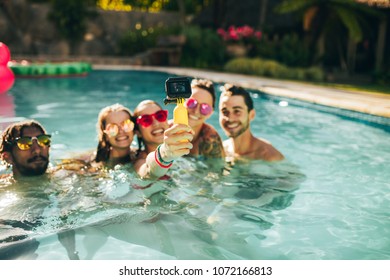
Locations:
(25, 146)
(235, 114)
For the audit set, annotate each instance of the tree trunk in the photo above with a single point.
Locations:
(182, 11)
(351, 56)
(218, 13)
(263, 13)
(320, 48)
(343, 63)
(380, 48)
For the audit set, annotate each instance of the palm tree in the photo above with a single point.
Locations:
(332, 21)
(380, 51)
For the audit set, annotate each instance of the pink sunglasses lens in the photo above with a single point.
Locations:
(205, 109)
(191, 103)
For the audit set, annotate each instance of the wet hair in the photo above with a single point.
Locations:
(206, 85)
(141, 143)
(14, 131)
(232, 90)
(103, 148)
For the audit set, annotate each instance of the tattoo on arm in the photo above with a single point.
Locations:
(211, 146)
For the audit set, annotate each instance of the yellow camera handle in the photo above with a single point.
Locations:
(180, 114)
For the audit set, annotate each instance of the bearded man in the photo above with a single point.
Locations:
(236, 111)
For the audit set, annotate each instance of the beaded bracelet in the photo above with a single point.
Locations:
(160, 157)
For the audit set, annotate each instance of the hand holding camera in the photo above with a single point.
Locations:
(177, 142)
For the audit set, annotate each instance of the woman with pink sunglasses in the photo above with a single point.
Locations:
(200, 106)
(155, 134)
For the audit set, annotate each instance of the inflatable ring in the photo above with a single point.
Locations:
(40, 70)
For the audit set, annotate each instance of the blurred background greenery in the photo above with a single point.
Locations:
(313, 40)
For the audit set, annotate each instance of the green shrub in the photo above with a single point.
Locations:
(140, 40)
(381, 78)
(137, 41)
(314, 74)
(273, 69)
(203, 48)
(289, 50)
(256, 67)
(241, 65)
(299, 74)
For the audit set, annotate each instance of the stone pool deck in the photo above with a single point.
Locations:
(370, 103)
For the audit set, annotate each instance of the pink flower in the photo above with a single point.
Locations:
(242, 33)
(221, 32)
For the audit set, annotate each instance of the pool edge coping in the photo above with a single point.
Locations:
(368, 103)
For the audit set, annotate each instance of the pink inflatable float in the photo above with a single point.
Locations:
(7, 77)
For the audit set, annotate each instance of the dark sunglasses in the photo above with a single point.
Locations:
(146, 120)
(112, 129)
(205, 109)
(25, 143)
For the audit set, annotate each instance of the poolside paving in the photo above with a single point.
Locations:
(370, 103)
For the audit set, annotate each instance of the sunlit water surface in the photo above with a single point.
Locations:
(330, 199)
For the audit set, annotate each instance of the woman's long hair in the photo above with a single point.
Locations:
(104, 147)
(141, 143)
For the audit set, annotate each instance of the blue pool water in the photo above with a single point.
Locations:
(330, 199)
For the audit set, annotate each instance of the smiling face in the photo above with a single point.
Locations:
(154, 133)
(234, 117)
(195, 117)
(124, 138)
(31, 162)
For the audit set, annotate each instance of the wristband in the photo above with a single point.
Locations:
(160, 157)
(159, 162)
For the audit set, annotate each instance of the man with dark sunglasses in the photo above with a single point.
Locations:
(236, 111)
(25, 146)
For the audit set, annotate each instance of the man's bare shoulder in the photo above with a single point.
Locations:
(266, 151)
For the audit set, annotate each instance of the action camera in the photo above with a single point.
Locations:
(179, 87)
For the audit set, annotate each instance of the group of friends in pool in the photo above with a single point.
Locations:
(25, 145)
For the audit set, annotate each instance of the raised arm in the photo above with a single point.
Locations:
(177, 143)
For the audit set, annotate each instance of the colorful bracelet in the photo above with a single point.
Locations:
(159, 162)
(160, 157)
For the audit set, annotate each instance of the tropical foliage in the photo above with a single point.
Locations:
(70, 17)
(339, 21)
(203, 48)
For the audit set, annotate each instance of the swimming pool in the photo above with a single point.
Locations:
(329, 200)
